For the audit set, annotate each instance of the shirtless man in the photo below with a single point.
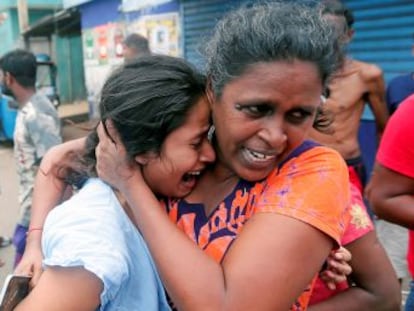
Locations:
(354, 85)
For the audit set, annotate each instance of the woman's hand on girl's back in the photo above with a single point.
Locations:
(112, 163)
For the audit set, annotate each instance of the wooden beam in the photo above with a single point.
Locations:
(23, 14)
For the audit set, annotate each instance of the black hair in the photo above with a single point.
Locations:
(146, 99)
(267, 32)
(138, 43)
(21, 64)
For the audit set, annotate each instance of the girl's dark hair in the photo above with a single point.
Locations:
(268, 32)
(146, 99)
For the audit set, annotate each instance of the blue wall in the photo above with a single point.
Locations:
(383, 34)
(99, 12)
(199, 19)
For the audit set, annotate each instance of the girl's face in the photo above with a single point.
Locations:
(184, 154)
(264, 114)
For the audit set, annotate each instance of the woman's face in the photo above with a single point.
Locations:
(183, 156)
(264, 114)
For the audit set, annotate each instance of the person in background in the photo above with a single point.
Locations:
(37, 129)
(391, 189)
(395, 237)
(135, 46)
(400, 88)
(352, 86)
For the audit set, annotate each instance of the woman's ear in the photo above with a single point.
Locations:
(142, 159)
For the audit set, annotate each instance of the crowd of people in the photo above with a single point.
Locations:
(238, 189)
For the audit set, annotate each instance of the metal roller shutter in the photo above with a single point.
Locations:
(384, 34)
(199, 18)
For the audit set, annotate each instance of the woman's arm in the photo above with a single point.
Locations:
(243, 281)
(61, 289)
(48, 192)
(256, 273)
(376, 285)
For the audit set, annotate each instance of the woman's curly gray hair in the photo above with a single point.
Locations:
(266, 32)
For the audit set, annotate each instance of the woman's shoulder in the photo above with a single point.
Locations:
(312, 186)
(308, 168)
(308, 165)
(311, 155)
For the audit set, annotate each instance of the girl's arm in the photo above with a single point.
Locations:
(48, 192)
(257, 271)
(64, 289)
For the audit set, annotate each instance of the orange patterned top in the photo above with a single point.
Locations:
(311, 185)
